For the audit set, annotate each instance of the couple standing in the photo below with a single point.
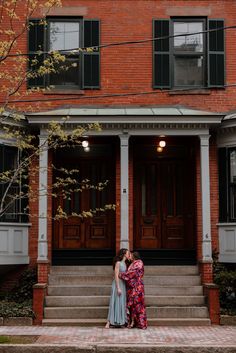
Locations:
(127, 307)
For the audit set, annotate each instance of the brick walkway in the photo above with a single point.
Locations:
(216, 336)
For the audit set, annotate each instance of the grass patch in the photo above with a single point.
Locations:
(18, 339)
(4, 339)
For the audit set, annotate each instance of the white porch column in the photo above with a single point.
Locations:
(43, 200)
(206, 205)
(124, 190)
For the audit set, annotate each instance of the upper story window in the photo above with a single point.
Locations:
(65, 36)
(191, 61)
(188, 55)
(227, 184)
(80, 70)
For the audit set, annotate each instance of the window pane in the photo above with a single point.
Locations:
(233, 166)
(179, 190)
(170, 191)
(153, 190)
(188, 71)
(66, 74)
(64, 35)
(232, 190)
(193, 43)
(233, 202)
(143, 191)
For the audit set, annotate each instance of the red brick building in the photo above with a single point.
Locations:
(181, 90)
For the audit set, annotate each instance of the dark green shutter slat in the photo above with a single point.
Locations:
(161, 54)
(36, 43)
(222, 158)
(91, 60)
(91, 33)
(216, 54)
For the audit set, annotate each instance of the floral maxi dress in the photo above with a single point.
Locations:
(135, 294)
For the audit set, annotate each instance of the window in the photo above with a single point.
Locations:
(80, 69)
(9, 160)
(188, 54)
(64, 36)
(227, 184)
(188, 61)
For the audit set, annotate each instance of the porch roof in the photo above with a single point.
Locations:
(127, 111)
(133, 120)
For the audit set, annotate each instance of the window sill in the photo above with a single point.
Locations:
(190, 92)
(64, 92)
(226, 224)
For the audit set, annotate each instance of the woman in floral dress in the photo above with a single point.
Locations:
(135, 292)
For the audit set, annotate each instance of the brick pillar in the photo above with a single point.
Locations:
(211, 291)
(206, 271)
(43, 271)
(39, 293)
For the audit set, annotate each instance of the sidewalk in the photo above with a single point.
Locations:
(94, 339)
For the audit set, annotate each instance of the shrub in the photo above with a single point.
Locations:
(13, 309)
(24, 290)
(226, 280)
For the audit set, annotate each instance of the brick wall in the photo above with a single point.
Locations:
(128, 68)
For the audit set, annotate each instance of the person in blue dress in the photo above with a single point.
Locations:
(117, 314)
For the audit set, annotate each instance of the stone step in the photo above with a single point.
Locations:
(80, 290)
(70, 301)
(107, 270)
(151, 322)
(71, 279)
(102, 311)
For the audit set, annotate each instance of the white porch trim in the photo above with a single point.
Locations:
(43, 201)
(124, 191)
(205, 191)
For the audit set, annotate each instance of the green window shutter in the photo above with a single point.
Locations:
(216, 54)
(223, 184)
(35, 44)
(91, 60)
(161, 54)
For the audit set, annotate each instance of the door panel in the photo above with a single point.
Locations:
(147, 214)
(173, 217)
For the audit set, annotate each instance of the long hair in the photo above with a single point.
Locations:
(119, 256)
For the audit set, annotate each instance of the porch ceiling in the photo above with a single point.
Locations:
(133, 120)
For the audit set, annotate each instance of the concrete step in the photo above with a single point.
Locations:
(71, 279)
(80, 290)
(151, 322)
(107, 270)
(70, 301)
(102, 311)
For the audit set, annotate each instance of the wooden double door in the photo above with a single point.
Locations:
(164, 199)
(96, 232)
